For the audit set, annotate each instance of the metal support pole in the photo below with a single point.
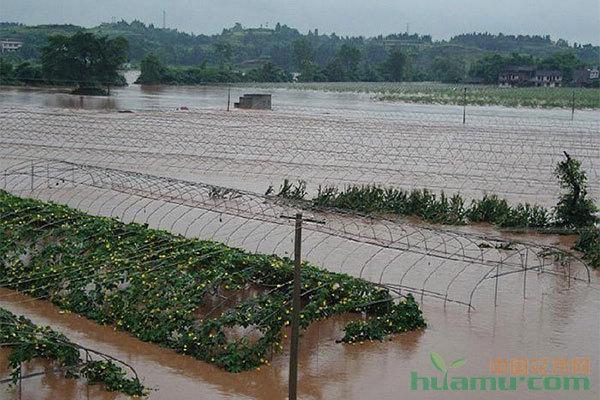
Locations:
(32, 171)
(465, 106)
(228, 97)
(20, 381)
(293, 378)
(524, 273)
(496, 285)
(87, 386)
(573, 106)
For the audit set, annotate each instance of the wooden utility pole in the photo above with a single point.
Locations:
(295, 339)
(295, 322)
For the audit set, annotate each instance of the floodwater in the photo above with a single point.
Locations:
(323, 138)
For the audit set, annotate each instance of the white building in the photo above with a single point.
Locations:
(7, 45)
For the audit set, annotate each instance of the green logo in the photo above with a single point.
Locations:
(440, 365)
(492, 382)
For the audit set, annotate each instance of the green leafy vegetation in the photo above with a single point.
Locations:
(423, 204)
(28, 342)
(168, 289)
(574, 213)
(112, 377)
(154, 72)
(574, 209)
(405, 316)
(83, 60)
(440, 93)
(318, 57)
(589, 244)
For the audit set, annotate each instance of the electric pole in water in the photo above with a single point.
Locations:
(295, 323)
(164, 19)
(293, 378)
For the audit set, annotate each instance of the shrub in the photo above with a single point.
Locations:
(589, 244)
(574, 208)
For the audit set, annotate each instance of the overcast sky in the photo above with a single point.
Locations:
(574, 20)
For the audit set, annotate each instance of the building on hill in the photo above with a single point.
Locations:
(548, 78)
(8, 45)
(516, 76)
(586, 77)
(529, 76)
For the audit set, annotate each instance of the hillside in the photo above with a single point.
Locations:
(286, 47)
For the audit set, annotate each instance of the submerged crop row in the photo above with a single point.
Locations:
(575, 211)
(201, 298)
(27, 342)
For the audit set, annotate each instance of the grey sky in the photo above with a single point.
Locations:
(574, 20)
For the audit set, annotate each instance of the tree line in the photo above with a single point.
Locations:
(85, 61)
(280, 54)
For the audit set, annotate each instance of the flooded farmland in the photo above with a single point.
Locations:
(152, 166)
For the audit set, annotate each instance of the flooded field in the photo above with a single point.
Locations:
(405, 146)
(152, 166)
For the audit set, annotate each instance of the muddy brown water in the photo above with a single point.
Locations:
(556, 320)
(556, 324)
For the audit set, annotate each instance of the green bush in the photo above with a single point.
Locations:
(589, 244)
(575, 209)
(422, 204)
(404, 316)
(28, 341)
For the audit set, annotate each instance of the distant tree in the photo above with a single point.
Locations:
(312, 72)
(151, 70)
(448, 69)
(488, 68)
(6, 72)
(565, 62)
(224, 52)
(302, 53)
(370, 74)
(348, 58)
(83, 59)
(269, 73)
(395, 67)
(29, 73)
(334, 71)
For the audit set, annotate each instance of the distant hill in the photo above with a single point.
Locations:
(254, 46)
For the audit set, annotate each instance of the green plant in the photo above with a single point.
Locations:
(156, 285)
(589, 244)
(28, 341)
(574, 209)
(112, 377)
(431, 207)
(292, 191)
(401, 317)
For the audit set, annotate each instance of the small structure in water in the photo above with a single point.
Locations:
(254, 102)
